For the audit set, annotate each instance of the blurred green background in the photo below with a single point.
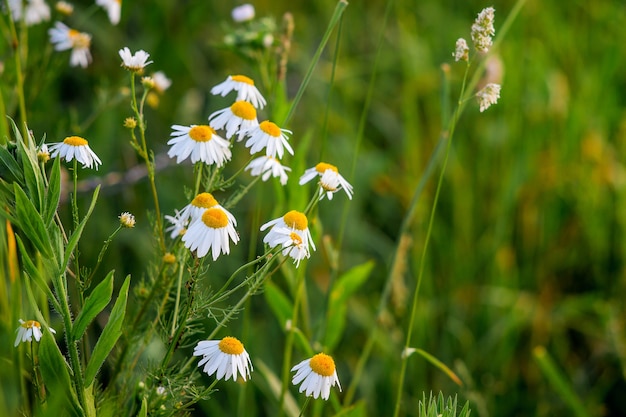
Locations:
(527, 247)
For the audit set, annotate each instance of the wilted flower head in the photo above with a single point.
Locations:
(243, 13)
(488, 95)
(483, 30)
(136, 62)
(64, 38)
(461, 51)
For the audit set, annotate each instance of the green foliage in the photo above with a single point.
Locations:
(439, 406)
(94, 304)
(112, 331)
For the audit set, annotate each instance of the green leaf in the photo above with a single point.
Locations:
(31, 223)
(33, 272)
(143, 412)
(56, 374)
(278, 302)
(109, 336)
(75, 237)
(10, 170)
(345, 286)
(94, 304)
(53, 196)
(27, 152)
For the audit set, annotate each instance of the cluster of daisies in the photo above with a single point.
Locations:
(204, 224)
(227, 358)
(482, 32)
(33, 12)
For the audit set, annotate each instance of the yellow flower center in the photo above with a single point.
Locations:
(75, 141)
(243, 110)
(323, 167)
(270, 128)
(201, 133)
(204, 200)
(322, 364)
(297, 240)
(30, 324)
(242, 79)
(79, 40)
(296, 220)
(231, 346)
(215, 218)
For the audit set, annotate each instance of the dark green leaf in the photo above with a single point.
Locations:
(31, 223)
(56, 374)
(54, 192)
(74, 238)
(10, 170)
(94, 304)
(345, 286)
(27, 152)
(109, 336)
(278, 302)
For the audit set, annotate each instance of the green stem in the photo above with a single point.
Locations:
(101, 255)
(289, 346)
(18, 73)
(138, 110)
(341, 5)
(304, 406)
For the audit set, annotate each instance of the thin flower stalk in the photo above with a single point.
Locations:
(138, 110)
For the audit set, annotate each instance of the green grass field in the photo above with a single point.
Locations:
(523, 285)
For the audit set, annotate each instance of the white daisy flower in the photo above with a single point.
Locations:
(238, 118)
(244, 86)
(212, 231)
(75, 147)
(113, 9)
(294, 221)
(317, 374)
(226, 357)
(161, 82)
(34, 11)
(43, 154)
(268, 135)
(134, 62)
(28, 330)
(330, 181)
(243, 13)
(199, 204)
(268, 166)
(200, 142)
(178, 224)
(64, 38)
(488, 95)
